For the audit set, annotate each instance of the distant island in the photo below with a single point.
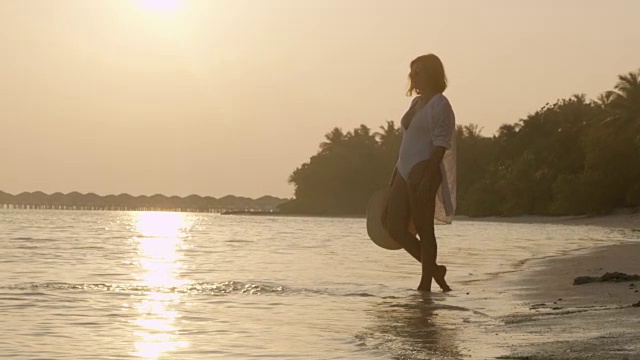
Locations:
(125, 202)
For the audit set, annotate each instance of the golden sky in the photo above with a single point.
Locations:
(229, 96)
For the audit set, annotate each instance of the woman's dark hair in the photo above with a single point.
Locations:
(427, 73)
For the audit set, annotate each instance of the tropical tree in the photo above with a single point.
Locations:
(573, 156)
(613, 148)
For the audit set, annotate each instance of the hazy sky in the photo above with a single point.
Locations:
(229, 96)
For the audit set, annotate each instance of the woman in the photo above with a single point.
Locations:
(417, 183)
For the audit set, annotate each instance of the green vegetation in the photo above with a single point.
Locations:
(575, 156)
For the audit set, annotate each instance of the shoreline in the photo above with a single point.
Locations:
(626, 219)
(565, 321)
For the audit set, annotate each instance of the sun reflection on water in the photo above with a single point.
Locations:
(159, 242)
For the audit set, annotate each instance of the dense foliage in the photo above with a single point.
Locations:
(575, 156)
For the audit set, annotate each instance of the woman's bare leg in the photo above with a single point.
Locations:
(423, 208)
(398, 217)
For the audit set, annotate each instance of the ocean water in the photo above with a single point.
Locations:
(154, 285)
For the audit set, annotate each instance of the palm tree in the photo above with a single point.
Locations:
(613, 147)
(362, 132)
(335, 137)
(470, 131)
(605, 98)
(389, 134)
(624, 102)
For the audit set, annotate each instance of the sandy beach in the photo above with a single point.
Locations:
(599, 320)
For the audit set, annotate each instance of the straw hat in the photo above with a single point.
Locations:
(375, 228)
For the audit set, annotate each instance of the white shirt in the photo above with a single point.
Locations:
(433, 125)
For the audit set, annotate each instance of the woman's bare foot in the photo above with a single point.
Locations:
(438, 276)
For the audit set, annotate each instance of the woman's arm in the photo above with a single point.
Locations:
(433, 169)
(443, 131)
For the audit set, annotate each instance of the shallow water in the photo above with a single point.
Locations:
(107, 285)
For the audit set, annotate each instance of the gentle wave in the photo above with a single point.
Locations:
(228, 287)
(199, 288)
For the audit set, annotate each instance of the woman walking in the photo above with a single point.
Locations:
(423, 182)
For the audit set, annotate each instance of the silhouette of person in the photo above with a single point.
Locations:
(421, 178)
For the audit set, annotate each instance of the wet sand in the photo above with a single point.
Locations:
(588, 321)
